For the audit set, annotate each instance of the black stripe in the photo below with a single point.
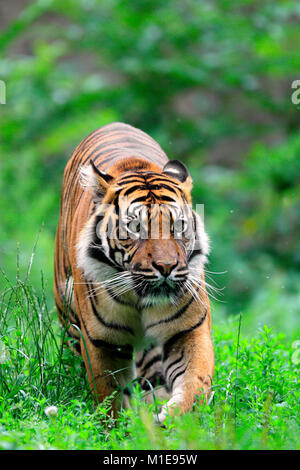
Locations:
(141, 199)
(122, 351)
(153, 187)
(107, 159)
(96, 253)
(149, 276)
(98, 219)
(116, 298)
(174, 371)
(174, 362)
(170, 343)
(167, 198)
(93, 135)
(165, 186)
(195, 253)
(131, 145)
(115, 152)
(132, 189)
(150, 363)
(151, 177)
(146, 351)
(176, 376)
(130, 175)
(173, 317)
(115, 326)
(155, 380)
(134, 180)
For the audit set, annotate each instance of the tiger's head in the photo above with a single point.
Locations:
(144, 229)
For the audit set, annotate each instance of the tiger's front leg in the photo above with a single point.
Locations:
(106, 351)
(188, 365)
(108, 370)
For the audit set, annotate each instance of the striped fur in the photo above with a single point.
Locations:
(129, 294)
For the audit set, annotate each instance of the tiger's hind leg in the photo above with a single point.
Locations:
(63, 294)
(149, 370)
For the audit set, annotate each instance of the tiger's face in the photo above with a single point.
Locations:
(144, 228)
(156, 242)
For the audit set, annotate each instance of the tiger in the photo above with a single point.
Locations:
(138, 308)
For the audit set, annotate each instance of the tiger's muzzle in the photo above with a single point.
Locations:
(159, 269)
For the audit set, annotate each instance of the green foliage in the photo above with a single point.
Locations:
(255, 404)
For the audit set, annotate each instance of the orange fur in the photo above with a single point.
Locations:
(114, 325)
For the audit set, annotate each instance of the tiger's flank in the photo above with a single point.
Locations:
(133, 300)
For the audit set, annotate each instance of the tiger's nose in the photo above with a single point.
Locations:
(165, 268)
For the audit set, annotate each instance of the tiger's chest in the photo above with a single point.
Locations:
(119, 323)
(125, 323)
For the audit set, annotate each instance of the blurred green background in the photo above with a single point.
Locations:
(210, 81)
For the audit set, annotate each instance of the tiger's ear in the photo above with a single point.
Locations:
(177, 170)
(93, 178)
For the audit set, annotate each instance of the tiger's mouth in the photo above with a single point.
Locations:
(159, 292)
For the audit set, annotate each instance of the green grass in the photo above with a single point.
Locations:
(255, 404)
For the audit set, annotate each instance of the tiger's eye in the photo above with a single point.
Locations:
(179, 225)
